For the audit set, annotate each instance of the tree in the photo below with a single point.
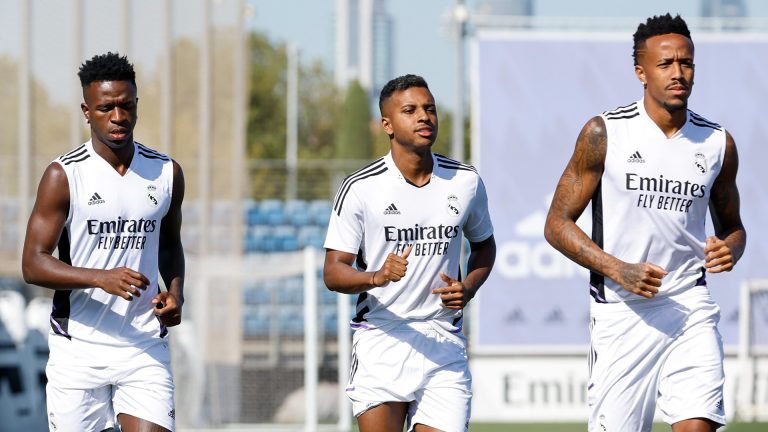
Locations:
(266, 134)
(355, 140)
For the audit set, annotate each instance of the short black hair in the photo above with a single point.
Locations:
(106, 67)
(399, 84)
(656, 26)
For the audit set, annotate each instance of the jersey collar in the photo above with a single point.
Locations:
(396, 174)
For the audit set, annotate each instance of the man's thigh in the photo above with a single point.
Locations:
(79, 410)
(692, 379)
(146, 393)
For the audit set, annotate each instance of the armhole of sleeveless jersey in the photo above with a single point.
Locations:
(607, 140)
(71, 193)
(722, 150)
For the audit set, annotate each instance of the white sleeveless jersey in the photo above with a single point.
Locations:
(113, 221)
(651, 204)
(377, 211)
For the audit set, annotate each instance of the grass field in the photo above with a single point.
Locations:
(580, 427)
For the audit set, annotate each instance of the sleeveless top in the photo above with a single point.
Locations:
(113, 221)
(651, 204)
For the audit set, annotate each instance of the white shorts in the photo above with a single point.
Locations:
(666, 352)
(415, 363)
(86, 398)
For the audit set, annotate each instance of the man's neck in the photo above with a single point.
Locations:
(669, 121)
(119, 157)
(415, 166)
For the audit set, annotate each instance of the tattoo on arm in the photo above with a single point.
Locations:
(577, 186)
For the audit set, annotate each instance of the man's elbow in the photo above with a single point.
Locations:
(549, 234)
(328, 281)
(28, 272)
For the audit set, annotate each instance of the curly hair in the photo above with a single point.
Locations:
(658, 25)
(399, 84)
(106, 67)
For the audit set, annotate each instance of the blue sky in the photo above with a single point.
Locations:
(423, 44)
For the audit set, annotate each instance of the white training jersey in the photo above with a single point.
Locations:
(377, 211)
(651, 204)
(113, 221)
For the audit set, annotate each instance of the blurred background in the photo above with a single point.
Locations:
(268, 105)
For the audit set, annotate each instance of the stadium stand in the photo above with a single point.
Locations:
(23, 355)
(284, 226)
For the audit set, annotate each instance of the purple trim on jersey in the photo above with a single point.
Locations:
(58, 329)
(357, 326)
(458, 323)
(596, 295)
(702, 281)
(60, 313)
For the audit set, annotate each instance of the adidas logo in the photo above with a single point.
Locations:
(719, 404)
(96, 199)
(636, 158)
(391, 210)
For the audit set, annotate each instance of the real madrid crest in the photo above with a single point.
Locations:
(453, 208)
(150, 189)
(700, 162)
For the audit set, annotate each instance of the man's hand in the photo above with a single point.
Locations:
(122, 282)
(455, 295)
(393, 269)
(643, 279)
(717, 256)
(167, 308)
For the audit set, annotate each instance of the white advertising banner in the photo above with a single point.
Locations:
(532, 93)
(553, 389)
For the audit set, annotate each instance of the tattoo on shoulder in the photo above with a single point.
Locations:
(596, 140)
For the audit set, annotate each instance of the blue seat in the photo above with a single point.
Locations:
(311, 235)
(320, 211)
(255, 321)
(272, 211)
(285, 236)
(330, 320)
(257, 294)
(291, 320)
(296, 212)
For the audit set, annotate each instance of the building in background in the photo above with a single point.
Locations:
(364, 44)
(505, 7)
(723, 8)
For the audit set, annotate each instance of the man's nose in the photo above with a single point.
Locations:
(118, 115)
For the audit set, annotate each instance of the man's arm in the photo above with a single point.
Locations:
(340, 276)
(44, 229)
(724, 249)
(171, 262)
(457, 294)
(575, 189)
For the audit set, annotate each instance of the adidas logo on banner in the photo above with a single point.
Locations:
(96, 199)
(391, 210)
(636, 158)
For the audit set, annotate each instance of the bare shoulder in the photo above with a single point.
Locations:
(730, 145)
(54, 182)
(177, 171)
(178, 183)
(591, 145)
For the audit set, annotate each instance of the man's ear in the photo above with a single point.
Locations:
(640, 73)
(387, 126)
(86, 113)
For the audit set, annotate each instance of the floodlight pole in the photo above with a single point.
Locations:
(460, 16)
(292, 121)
